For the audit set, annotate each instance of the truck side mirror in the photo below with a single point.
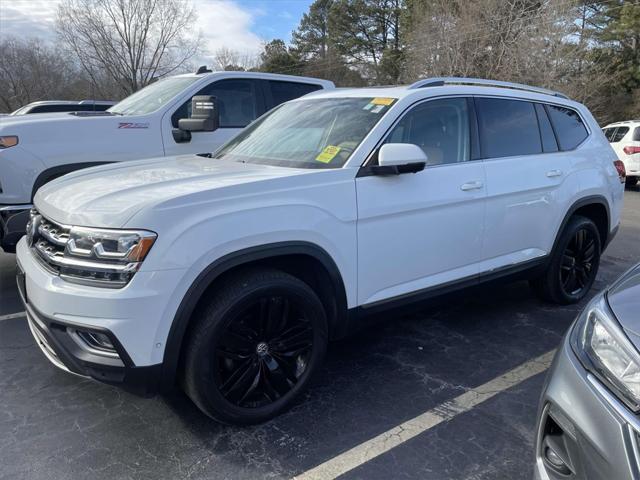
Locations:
(205, 116)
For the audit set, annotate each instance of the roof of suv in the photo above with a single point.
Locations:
(451, 85)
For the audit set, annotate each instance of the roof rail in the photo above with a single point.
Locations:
(441, 81)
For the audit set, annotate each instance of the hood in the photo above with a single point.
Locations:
(108, 196)
(624, 300)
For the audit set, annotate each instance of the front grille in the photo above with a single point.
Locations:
(48, 240)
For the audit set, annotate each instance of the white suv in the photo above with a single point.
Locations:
(625, 140)
(229, 272)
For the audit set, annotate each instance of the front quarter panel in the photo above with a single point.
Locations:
(316, 207)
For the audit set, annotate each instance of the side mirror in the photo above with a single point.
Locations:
(398, 158)
(205, 116)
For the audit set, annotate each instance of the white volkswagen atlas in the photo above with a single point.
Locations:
(228, 273)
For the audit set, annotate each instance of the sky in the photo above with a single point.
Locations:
(241, 25)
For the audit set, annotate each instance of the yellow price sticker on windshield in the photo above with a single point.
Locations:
(328, 154)
(382, 101)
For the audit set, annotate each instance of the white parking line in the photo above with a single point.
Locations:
(444, 412)
(12, 315)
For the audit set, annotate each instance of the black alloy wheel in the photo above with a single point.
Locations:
(254, 346)
(263, 352)
(578, 258)
(573, 264)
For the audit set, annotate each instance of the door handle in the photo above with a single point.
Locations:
(465, 187)
(554, 173)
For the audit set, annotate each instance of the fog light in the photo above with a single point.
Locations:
(554, 459)
(96, 343)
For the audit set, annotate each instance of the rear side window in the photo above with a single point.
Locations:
(568, 126)
(507, 128)
(619, 134)
(547, 136)
(636, 135)
(609, 133)
(284, 91)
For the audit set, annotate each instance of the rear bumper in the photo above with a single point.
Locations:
(55, 339)
(13, 221)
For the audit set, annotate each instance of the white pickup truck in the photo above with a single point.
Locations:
(155, 121)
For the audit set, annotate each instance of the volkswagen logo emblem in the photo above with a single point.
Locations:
(262, 349)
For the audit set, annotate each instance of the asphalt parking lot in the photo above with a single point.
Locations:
(55, 426)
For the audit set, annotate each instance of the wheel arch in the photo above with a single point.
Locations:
(305, 260)
(594, 207)
(59, 170)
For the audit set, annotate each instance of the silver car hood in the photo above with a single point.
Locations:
(624, 300)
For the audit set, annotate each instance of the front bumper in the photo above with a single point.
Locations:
(55, 339)
(131, 317)
(13, 222)
(597, 436)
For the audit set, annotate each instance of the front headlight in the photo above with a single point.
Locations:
(605, 350)
(121, 246)
(91, 256)
(104, 257)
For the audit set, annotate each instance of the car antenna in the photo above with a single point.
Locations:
(203, 69)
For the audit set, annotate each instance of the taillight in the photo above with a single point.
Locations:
(631, 150)
(622, 172)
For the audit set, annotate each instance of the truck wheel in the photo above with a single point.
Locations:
(631, 181)
(254, 347)
(573, 265)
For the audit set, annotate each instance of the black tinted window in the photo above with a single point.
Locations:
(619, 134)
(439, 127)
(236, 103)
(568, 125)
(636, 135)
(609, 132)
(284, 91)
(507, 128)
(549, 143)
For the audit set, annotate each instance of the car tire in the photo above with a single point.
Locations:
(631, 181)
(573, 265)
(254, 347)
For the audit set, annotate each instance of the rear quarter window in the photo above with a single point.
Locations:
(619, 134)
(636, 135)
(568, 125)
(507, 128)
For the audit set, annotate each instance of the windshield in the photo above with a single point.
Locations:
(152, 97)
(313, 133)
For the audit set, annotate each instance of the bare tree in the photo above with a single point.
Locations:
(132, 42)
(31, 70)
(226, 58)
